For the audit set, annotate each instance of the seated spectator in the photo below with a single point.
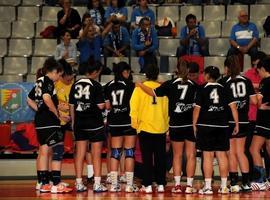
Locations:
(193, 40)
(66, 49)
(140, 12)
(85, 20)
(145, 42)
(116, 43)
(116, 10)
(96, 12)
(244, 36)
(90, 41)
(68, 19)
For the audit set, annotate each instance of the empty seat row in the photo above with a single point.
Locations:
(24, 47)
(177, 13)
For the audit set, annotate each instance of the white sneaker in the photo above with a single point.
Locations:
(205, 190)
(115, 188)
(160, 189)
(235, 189)
(224, 190)
(80, 187)
(38, 186)
(99, 188)
(108, 179)
(131, 188)
(258, 186)
(246, 188)
(267, 184)
(122, 178)
(190, 190)
(147, 190)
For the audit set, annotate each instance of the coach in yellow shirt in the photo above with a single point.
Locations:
(149, 116)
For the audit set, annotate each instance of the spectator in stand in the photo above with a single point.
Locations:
(66, 49)
(68, 19)
(116, 10)
(140, 12)
(193, 40)
(96, 12)
(90, 41)
(116, 43)
(145, 42)
(244, 36)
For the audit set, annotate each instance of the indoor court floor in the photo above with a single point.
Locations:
(24, 190)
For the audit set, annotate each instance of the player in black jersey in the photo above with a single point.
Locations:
(262, 134)
(181, 94)
(117, 95)
(86, 104)
(43, 100)
(243, 94)
(210, 124)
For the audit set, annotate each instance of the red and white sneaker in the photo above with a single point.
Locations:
(60, 188)
(45, 188)
(177, 189)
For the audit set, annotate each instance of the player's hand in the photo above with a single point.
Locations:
(138, 84)
(264, 106)
(65, 118)
(236, 130)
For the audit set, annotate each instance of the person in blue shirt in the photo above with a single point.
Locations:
(140, 12)
(193, 40)
(116, 42)
(244, 36)
(145, 42)
(116, 10)
(89, 43)
(96, 11)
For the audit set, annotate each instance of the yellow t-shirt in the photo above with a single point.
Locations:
(62, 92)
(149, 114)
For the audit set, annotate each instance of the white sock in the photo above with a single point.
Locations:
(208, 182)
(177, 180)
(189, 181)
(90, 171)
(129, 177)
(223, 182)
(78, 180)
(114, 177)
(97, 180)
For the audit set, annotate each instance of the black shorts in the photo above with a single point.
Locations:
(122, 131)
(244, 130)
(213, 138)
(50, 136)
(182, 134)
(262, 131)
(90, 135)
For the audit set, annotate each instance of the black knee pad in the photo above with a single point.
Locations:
(116, 153)
(129, 153)
(58, 152)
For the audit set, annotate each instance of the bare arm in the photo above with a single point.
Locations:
(32, 104)
(72, 114)
(108, 105)
(253, 99)
(252, 43)
(234, 110)
(146, 89)
(49, 103)
(101, 106)
(196, 113)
